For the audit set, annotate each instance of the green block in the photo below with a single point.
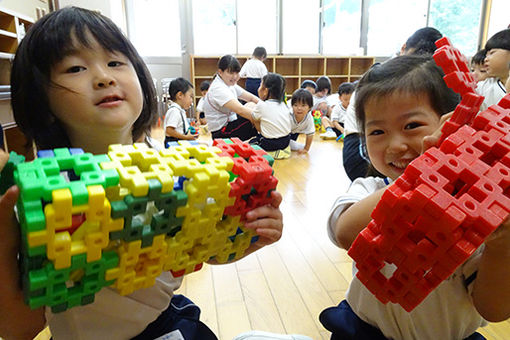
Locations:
(154, 189)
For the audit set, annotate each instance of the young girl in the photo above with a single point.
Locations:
(176, 123)
(301, 120)
(225, 115)
(398, 103)
(254, 69)
(271, 115)
(89, 90)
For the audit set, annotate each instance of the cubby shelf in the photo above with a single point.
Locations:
(12, 29)
(294, 69)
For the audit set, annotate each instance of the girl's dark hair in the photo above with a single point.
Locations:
(230, 63)
(409, 74)
(302, 96)
(479, 57)
(260, 52)
(323, 83)
(345, 88)
(204, 86)
(308, 83)
(499, 40)
(47, 42)
(275, 85)
(423, 41)
(178, 85)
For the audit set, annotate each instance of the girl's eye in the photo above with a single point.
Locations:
(411, 126)
(75, 69)
(376, 133)
(114, 63)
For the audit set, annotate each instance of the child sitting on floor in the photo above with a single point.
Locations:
(176, 124)
(336, 123)
(302, 120)
(271, 116)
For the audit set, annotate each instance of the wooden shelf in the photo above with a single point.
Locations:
(12, 29)
(295, 69)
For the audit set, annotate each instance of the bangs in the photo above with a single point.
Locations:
(71, 31)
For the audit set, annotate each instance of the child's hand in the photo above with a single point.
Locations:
(302, 151)
(192, 136)
(430, 141)
(17, 320)
(499, 240)
(267, 221)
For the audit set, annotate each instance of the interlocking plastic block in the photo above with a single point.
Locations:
(447, 202)
(90, 221)
(7, 174)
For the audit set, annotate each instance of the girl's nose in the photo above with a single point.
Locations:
(103, 79)
(396, 145)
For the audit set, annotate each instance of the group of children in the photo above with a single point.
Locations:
(92, 89)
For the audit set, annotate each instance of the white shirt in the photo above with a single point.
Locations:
(338, 113)
(218, 95)
(274, 117)
(253, 68)
(492, 89)
(305, 126)
(350, 123)
(200, 105)
(447, 313)
(318, 100)
(176, 117)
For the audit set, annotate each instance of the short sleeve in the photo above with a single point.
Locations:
(172, 117)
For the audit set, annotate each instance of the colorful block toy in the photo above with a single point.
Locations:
(119, 220)
(447, 202)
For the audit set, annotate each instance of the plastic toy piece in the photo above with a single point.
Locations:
(447, 202)
(123, 218)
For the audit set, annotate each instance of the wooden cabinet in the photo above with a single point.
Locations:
(294, 69)
(12, 29)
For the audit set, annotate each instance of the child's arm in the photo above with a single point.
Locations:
(172, 132)
(491, 290)
(248, 97)
(17, 320)
(235, 106)
(355, 218)
(337, 125)
(267, 221)
(308, 144)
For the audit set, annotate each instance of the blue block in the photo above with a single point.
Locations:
(45, 153)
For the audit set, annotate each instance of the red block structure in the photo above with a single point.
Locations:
(447, 202)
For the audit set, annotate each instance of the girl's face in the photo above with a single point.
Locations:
(479, 72)
(262, 91)
(95, 91)
(230, 78)
(300, 110)
(185, 99)
(497, 62)
(394, 127)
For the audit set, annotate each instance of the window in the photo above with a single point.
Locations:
(256, 25)
(300, 26)
(341, 29)
(459, 20)
(498, 19)
(153, 20)
(214, 30)
(391, 22)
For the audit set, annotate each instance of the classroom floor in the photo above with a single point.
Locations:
(283, 287)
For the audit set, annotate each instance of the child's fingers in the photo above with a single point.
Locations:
(7, 203)
(8, 233)
(269, 236)
(4, 157)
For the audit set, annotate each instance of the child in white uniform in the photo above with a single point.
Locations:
(176, 123)
(398, 103)
(254, 69)
(497, 64)
(90, 90)
(271, 115)
(336, 123)
(302, 120)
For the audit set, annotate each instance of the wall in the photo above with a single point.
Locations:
(25, 7)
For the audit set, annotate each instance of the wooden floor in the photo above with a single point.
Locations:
(283, 287)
